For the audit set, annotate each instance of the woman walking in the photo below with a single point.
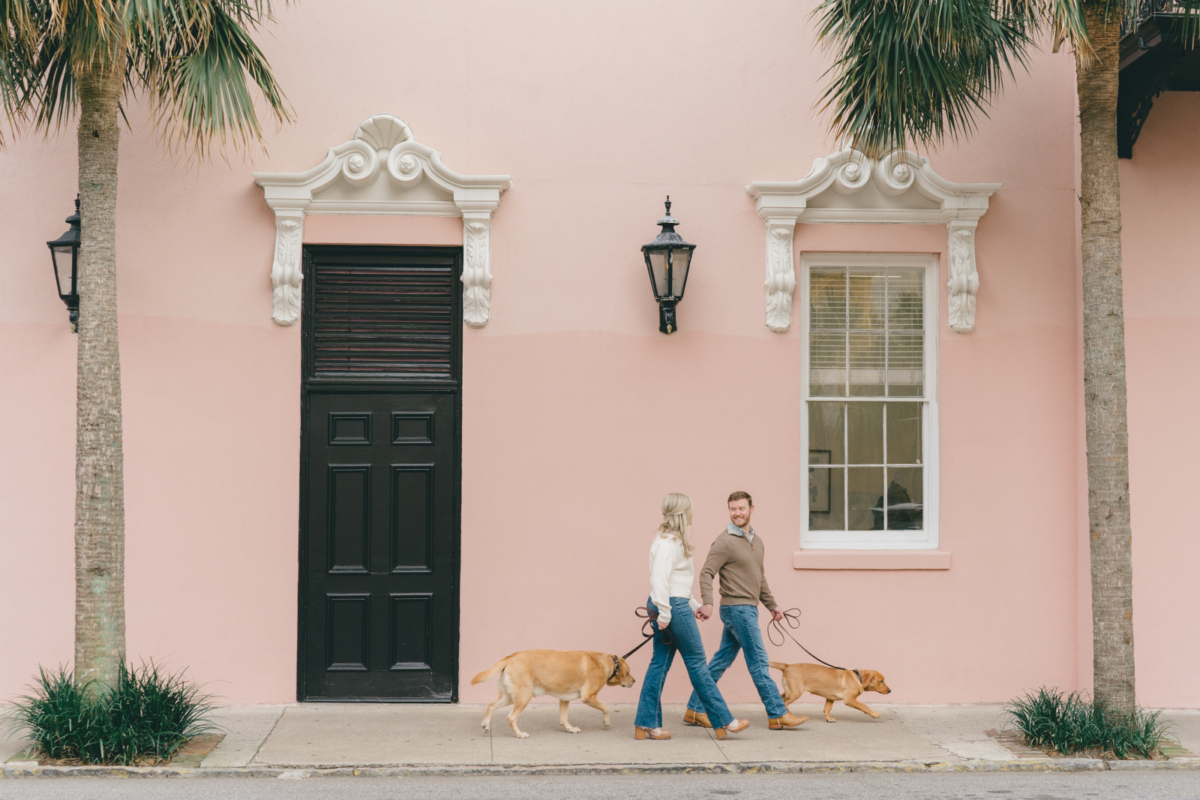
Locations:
(671, 579)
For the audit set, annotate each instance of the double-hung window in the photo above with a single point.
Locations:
(870, 397)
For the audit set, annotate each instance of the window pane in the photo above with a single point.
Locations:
(866, 433)
(826, 442)
(826, 499)
(866, 364)
(903, 433)
(827, 290)
(906, 297)
(906, 364)
(905, 499)
(867, 288)
(866, 498)
(827, 364)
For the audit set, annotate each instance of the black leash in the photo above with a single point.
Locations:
(792, 617)
(650, 617)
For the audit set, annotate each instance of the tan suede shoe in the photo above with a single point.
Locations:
(696, 718)
(788, 720)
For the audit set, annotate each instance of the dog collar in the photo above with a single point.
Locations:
(617, 668)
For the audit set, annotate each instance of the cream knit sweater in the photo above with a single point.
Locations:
(671, 575)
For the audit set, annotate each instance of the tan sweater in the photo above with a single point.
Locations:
(740, 565)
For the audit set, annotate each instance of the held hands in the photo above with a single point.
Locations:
(704, 612)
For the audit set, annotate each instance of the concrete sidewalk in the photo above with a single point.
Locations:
(298, 740)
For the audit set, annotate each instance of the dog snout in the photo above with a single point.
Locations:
(629, 681)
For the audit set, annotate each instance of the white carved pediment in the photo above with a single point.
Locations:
(849, 188)
(382, 170)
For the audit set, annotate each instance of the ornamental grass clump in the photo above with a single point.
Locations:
(1073, 725)
(144, 719)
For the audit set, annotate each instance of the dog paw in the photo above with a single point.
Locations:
(830, 719)
(571, 729)
(607, 724)
(522, 735)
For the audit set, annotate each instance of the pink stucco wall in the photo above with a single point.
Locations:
(577, 414)
(1159, 198)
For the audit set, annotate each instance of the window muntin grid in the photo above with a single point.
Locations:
(867, 402)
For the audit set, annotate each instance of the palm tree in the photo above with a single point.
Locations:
(62, 59)
(918, 71)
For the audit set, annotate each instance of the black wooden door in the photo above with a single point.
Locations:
(380, 474)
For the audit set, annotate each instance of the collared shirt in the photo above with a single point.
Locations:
(740, 567)
(748, 534)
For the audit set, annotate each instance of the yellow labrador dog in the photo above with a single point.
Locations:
(569, 675)
(832, 684)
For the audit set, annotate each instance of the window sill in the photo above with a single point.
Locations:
(871, 559)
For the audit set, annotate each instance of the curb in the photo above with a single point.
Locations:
(745, 768)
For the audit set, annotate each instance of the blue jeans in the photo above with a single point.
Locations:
(742, 633)
(686, 639)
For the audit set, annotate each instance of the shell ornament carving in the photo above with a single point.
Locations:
(383, 131)
(477, 274)
(781, 279)
(286, 274)
(964, 280)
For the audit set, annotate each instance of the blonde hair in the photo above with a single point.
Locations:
(675, 510)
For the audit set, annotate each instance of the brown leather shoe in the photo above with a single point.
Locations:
(788, 720)
(651, 733)
(737, 726)
(696, 718)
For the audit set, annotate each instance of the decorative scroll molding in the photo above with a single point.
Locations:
(382, 170)
(964, 279)
(781, 274)
(286, 273)
(477, 276)
(849, 188)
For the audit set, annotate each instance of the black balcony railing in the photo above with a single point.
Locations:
(1147, 9)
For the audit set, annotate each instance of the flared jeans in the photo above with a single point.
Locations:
(742, 633)
(685, 639)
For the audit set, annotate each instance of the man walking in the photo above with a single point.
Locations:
(737, 556)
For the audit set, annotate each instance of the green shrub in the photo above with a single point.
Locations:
(1072, 724)
(146, 718)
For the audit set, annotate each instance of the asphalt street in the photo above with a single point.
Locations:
(992, 786)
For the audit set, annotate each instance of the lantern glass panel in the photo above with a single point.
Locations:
(658, 269)
(680, 260)
(62, 269)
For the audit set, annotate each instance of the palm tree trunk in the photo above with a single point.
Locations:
(99, 478)
(1104, 368)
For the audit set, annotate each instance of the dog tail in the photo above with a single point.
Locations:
(777, 665)
(492, 671)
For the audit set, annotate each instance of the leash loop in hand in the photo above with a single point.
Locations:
(792, 618)
(648, 629)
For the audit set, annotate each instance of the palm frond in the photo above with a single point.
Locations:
(199, 78)
(919, 71)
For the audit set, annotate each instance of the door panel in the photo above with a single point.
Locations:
(380, 490)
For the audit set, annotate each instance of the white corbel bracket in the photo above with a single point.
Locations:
(382, 170)
(849, 188)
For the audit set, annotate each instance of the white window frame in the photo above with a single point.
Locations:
(926, 539)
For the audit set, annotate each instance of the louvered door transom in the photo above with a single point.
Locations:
(380, 474)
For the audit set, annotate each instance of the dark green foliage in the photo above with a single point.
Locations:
(920, 71)
(1071, 724)
(194, 61)
(147, 717)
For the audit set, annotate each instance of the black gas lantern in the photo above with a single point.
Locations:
(667, 260)
(65, 252)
